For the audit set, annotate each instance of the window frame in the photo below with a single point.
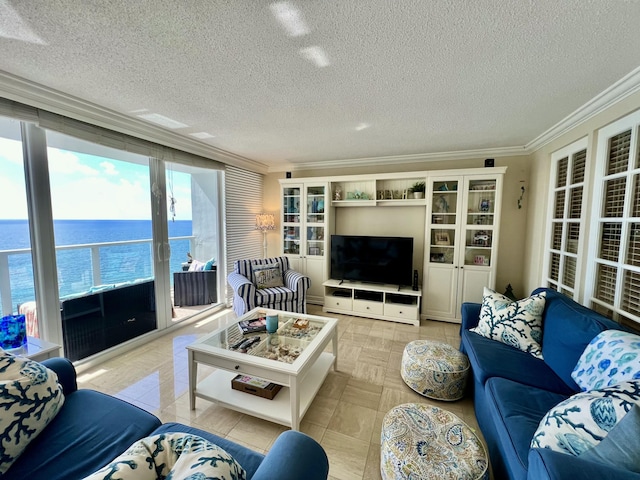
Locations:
(569, 153)
(615, 311)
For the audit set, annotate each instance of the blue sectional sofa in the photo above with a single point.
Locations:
(92, 429)
(512, 390)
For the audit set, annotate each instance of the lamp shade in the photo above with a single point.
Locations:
(265, 221)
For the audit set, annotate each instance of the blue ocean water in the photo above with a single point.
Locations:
(119, 263)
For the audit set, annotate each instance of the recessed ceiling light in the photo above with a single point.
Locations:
(290, 19)
(162, 120)
(316, 56)
(362, 126)
(202, 135)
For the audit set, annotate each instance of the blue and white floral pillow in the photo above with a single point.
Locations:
(31, 397)
(518, 324)
(583, 420)
(172, 456)
(613, 356)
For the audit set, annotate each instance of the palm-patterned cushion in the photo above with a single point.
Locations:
(518, 324)
(172, 455)
(584, 420)
(31, 397)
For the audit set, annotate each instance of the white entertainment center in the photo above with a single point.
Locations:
(455, 227)
(382, 302)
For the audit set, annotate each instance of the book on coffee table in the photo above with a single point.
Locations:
(253, 325)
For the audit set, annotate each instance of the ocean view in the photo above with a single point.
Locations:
(119, 263)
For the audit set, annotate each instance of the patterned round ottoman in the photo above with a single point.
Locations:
(435, 369)
(424, 442)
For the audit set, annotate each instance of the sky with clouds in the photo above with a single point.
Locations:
(86, 186)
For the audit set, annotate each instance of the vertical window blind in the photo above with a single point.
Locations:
(243, 196)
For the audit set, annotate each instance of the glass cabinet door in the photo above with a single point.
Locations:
(291, 204)
(478, 236)
(291, 239)
(291, 218)
(315, 216)
(444, 204)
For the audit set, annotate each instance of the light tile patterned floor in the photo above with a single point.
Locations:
(345, 417)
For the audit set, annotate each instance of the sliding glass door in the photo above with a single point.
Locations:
(120, 244)
(102, 216)
(193, 200)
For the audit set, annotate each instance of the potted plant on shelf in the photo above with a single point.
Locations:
(418, 189)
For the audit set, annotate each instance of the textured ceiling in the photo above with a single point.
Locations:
(399, 77)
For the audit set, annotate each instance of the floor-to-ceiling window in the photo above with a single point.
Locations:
(17, 292)
(119, 219)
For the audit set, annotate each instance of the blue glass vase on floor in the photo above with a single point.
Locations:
(13, 332)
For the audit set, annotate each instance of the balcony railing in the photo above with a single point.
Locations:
(83, 266)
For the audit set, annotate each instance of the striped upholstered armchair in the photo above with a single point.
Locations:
(268, 283)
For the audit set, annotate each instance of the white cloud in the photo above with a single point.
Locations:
(109, 168)
(99, 198)
(68, 163)
(11, 150)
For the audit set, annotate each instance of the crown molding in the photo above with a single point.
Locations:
(402, 159)
(626, 86)
(35, 95)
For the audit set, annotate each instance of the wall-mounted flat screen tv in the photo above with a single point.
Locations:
(372, 259)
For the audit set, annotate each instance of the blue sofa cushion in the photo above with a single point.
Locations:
(489, 358)
(91, 429)
(516, 420)
(567, 329)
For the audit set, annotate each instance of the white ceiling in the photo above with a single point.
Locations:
(404, 77)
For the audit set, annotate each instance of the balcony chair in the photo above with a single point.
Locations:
(268, 283)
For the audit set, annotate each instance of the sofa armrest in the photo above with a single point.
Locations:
(296, 281)
(66, 373)
(548, 464)
(294, 456)
(470, 315)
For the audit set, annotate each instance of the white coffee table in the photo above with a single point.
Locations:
(301, 378)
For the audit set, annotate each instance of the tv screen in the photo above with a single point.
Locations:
(372, 259)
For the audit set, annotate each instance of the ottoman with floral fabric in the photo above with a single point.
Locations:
(420, 441)
(435, 369)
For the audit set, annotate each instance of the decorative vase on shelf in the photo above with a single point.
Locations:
(418, 195)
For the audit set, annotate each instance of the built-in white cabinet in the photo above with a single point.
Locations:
(461, 241)
(382, 302)
(305, 232)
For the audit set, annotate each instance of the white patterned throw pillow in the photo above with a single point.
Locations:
(267, 276)
(31, 397)
(518, 324)
(613, 356)
(584, 420)
(172, 456)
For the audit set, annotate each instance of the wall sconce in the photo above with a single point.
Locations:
(264, 223)
(521, 197)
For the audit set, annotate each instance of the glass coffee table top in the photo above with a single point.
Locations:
(293, 335)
